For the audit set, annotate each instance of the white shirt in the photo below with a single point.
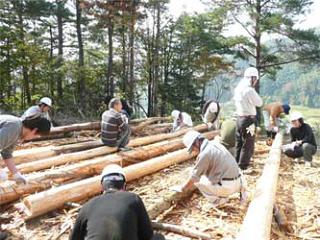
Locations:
(186, 120)
(246, 99)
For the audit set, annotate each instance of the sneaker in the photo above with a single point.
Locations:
(125, 149)
(244, 198)
(298, 160)
(219, 202)
(308, 164)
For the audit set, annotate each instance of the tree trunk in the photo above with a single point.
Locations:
(25, 74)
(110, 80)
(260, 211)
(81, 80)
(131, 49)
(60, 49)
(156, 78)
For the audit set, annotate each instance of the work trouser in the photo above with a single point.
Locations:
(270, 131)
(244, 141)
(223, 189)
(124, 137)
(306, 151)
(158, 236)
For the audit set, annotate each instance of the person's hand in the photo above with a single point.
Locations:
(298, 143)
(276, 129)
(177, 188)
(19, 178)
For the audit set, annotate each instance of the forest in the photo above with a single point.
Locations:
(78, 52)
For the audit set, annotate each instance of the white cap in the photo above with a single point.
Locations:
(189, 138)
(295, 116)
(251, 72)
(112, 169)
(46, 101)
(175, 113)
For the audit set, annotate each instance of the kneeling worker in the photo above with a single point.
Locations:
(116, 214)
(216, 173)
(210, 114)
(302, 138)
(115, 131)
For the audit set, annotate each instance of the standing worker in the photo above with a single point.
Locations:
(11, 130)
(216, 173)
(302, 138)
(271, 114)
(210, 114)
(116, 214)
(180, 120)
(42, 109)
(115, 130)
(246, 101)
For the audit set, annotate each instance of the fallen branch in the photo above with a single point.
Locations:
(181, 230)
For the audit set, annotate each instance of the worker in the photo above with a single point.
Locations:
(216, 173)
(180, 120)
(246, 101)
(210, 114)
(11, 130)
(271, 114)
(116, 214)
(228, 135)
(303, 143)
(115, 131)
(42, 109)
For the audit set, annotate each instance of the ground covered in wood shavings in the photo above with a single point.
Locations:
(298, 196)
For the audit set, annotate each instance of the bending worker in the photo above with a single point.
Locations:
(216, 173)
(180, 120)
(210, 114)
(11, 130)
(246, 101)
(271, 116)
(302, 138)
(42, 109)
(116, 214)
(115, 130)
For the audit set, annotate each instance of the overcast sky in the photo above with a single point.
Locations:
(176, 7)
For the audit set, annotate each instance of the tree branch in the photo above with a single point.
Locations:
(290, 61)
(242, 25)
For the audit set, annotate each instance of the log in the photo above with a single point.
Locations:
(87, 168)
(187, 232)
(146, 123)
(257, 222)
(44, 152)
(140, 120)
(75, 127)
(43, 202)
(79, 156)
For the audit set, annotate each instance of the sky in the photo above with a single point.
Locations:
(176, 7)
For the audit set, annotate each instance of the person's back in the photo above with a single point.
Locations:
(113, 215)
(218, 161)
(111, 122)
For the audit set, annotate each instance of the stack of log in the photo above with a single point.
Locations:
(70, 173)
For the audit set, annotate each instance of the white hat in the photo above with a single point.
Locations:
(251, 72)
(46, 101)
(175, 113)
(189, 138)
(295, 116)
(112, 169)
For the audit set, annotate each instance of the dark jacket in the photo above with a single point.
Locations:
(114, 215)
(303, 133)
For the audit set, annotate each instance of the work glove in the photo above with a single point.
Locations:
(251, 129)
(3, 176)
(276, 129)
(177, 188)
(19, 178)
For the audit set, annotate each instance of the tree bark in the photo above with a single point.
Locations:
(260, 211)
(131, 49)
(81, 76)
(60, 6)
(110, 80)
